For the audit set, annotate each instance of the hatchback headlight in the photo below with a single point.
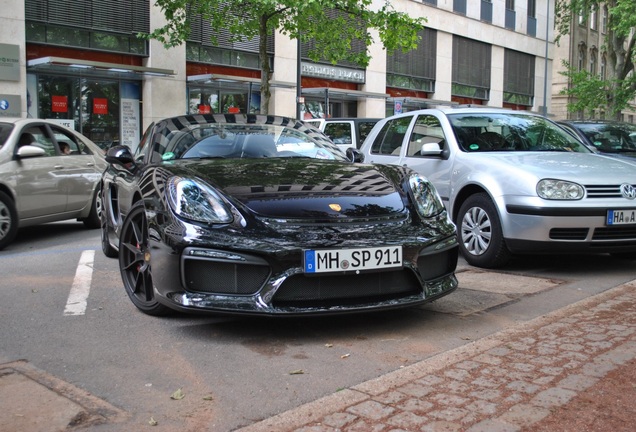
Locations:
(425, 196)
(551, 189)
(196, 201)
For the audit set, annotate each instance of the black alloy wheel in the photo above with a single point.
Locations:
(135, 262)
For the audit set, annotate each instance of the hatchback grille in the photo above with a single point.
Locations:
(568, 233)
(224, 278)
(622, 233)
(604, 191)
(301, 290)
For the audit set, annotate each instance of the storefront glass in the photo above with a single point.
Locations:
(104, 110)
(210, 100)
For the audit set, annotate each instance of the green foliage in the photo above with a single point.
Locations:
(332, 26)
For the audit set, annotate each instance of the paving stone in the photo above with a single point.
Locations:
(407, 420)
(553, 397)
(441, 426)
(371, 410)
(577, 382)
(338, 420)
(493, 426)
(524, 415)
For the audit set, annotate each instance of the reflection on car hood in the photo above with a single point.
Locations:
(304, 188)
(579, 167)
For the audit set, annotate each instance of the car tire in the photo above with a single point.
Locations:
(479, 233)
(8, 220)
(135, 265)
(94, 217)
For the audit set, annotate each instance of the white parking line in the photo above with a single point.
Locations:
(76, 303)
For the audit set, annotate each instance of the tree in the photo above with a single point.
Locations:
(614, 92)
(306, 20)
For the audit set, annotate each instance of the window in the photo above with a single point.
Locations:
(518, 78)
(107, 25)
(432, 2)
(486, 11)
(510, 15)
(602, 69)
(414, 70)
(471, 68)
(532, 8)
(389, 140)
(459, 6)
(594, 19)
(593, 55)
(427, 130)
(581, 59)
(604, 20)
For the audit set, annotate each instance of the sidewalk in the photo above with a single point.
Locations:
(571, 370)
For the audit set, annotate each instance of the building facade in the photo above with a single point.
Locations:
(582, 48)
(82, 63)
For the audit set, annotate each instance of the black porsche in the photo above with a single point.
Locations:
(253, 214)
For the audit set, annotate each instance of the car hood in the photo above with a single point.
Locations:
(583, 168)
(304, 188)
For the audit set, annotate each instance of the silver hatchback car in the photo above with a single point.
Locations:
(47, 173)
(514, 182)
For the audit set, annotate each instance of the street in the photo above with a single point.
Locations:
(65, 312)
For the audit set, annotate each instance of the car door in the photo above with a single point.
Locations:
(341, 133)
(418, 153)
(37, 178)
(77, 171)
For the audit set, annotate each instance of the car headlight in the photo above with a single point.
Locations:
(551, 189)
(425, 196)
(196, 201)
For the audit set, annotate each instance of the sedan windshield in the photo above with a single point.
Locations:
(241, 141)
(477, 132)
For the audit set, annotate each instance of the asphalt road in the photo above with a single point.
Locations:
(65, 312)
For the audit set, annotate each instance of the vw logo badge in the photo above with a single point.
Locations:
(628, 191)
(4, 104)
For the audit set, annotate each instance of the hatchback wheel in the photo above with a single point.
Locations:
(135, 263)
(480, 235)
(8, 220)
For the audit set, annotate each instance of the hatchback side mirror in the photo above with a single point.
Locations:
(120, 155)
(354, 155)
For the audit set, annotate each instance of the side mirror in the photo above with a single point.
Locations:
(120, 155)
(28, 151)
(431, 149)
(354, 155)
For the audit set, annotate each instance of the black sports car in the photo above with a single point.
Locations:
(256, 214)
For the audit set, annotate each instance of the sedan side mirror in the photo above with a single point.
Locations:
(354, 155)
(120, 155)
(27, 151)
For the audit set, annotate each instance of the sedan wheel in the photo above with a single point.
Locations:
(480, 236)
(134, 263)
(8, 220)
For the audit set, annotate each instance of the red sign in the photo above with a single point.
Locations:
(59, 104)
(233, 110)
(204, 109)
(100, 106)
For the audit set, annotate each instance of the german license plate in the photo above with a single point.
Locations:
(621, 217)
(336, 260)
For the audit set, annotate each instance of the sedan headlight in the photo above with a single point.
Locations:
(551, 189)
(425, 196)
(196, 201)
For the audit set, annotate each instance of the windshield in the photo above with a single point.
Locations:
(5, 131)
(244, 141)
(610, 137)
(483, 132)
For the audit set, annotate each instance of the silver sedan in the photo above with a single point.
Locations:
(48, 173)
(514, 182)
